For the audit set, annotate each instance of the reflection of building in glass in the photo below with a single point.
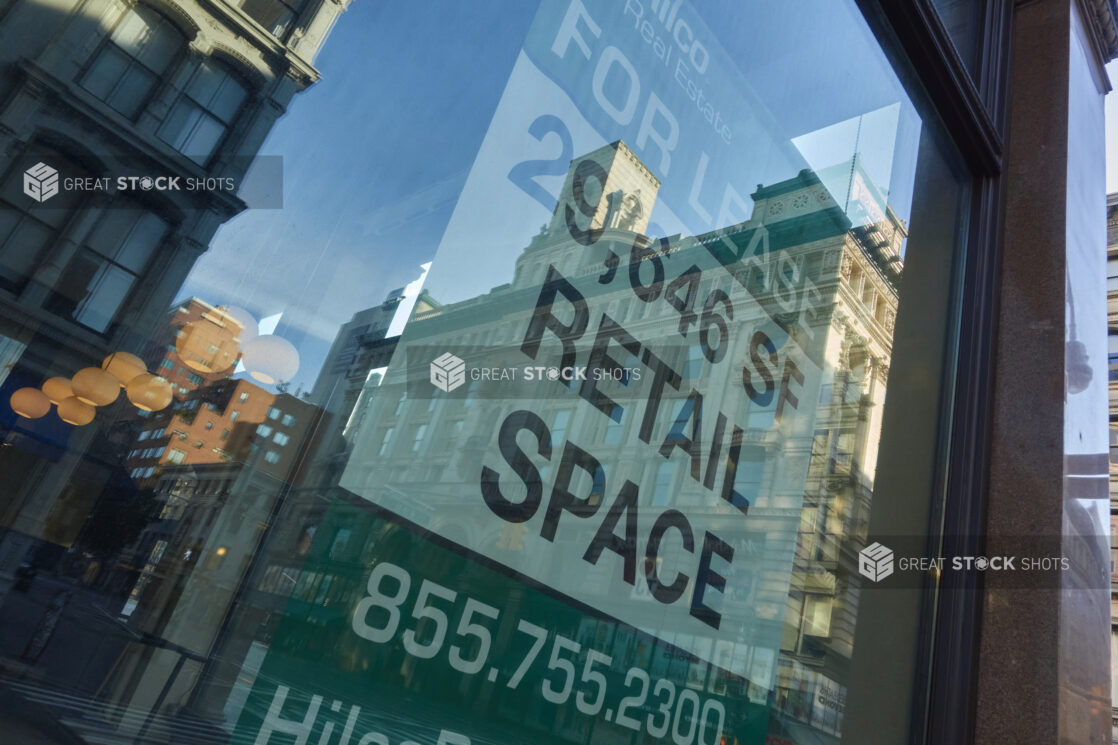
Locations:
(807, 478)
(818, 637)
(214, 506)
(362, 344)
(107, 93)
(167, 94)
(124, 104)
(241, 482)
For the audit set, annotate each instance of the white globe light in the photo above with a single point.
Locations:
(249, 328)
(270, 358)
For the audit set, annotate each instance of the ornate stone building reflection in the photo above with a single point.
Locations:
(852, 252)
(154, 93)
(104, 90)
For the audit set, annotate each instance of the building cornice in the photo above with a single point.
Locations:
(1101, 19)
(281, 57)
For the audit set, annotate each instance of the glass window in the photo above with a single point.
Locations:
(662, 486)
(963, 21)
(695, 224)
(614, 428)
(29, 228)
(133, 59)
(559, 427)
(274, 15)
(99, 279)
(204, 112)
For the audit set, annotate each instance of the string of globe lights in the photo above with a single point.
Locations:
(213, 345)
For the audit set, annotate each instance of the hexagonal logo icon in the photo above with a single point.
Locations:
(875, 562)
(40, 182)
(448, 372)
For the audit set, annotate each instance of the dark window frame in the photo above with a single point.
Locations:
(973, 107)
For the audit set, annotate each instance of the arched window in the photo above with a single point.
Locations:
(205, 111)
(113, 257)
(133, 59)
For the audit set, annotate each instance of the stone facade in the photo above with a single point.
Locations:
(106, 89)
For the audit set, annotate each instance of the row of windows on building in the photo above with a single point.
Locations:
(177, 456)
(276, 414)
(279, 438)
(141, 52)
(170, 368)
(747, 480)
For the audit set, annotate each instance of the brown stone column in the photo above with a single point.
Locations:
(1035, 677)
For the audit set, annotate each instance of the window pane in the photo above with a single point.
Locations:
(20, 252)
(132, 91)
(228, 99)
(272, 15)
(205, 83)
(105, 72)
(134, 29)
(716, 235)
(180, 123)
(127, 68)
(161, 48)
(107, 290)
(9, 219)
(963, 19)
(141, 242)
(203, 139)
(112, 230)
